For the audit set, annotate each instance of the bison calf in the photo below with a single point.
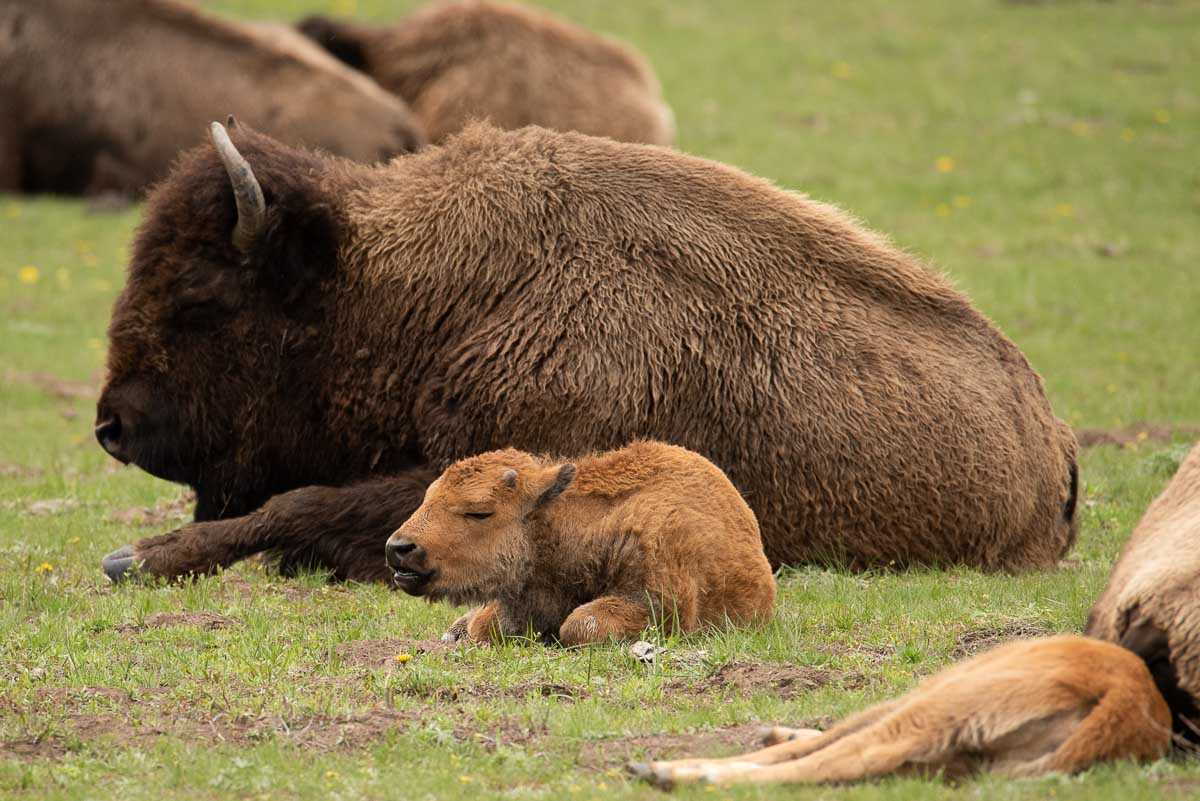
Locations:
(454, 62)
(1152, 602)
(1022, 709)
(590, 550)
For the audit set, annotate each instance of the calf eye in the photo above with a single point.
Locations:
(478, 515)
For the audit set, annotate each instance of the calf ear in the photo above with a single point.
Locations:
(552, 483)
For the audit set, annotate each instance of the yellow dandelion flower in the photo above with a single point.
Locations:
(1142, 436)
(1080, 128)
(1127, 135)
(1162, 116)
(403, 658)
(944, 164)
(942, 210)
(961, 201)
(1064, 210)
(1111, 389)
(465, 779)
(841, 70)
(44, 567)
(28, 274)
(73, 541)
(331, 774)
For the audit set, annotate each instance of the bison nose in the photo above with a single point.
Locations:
(108, 434)
(398, 549)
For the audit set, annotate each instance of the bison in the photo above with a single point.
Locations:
(1152, 602)
(589, 550)
(515, 66)
(1059, 704)
(102, 99)
(294, 321)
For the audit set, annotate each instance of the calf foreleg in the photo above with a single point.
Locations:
(341, 529)
(607, 617)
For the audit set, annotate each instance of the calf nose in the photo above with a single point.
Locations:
(108, 434)
(396, 550)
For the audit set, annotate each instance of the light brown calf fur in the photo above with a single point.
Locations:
(1022, 709)
(1152, 602)
(512, 65)
(102, 95)
(592, 550)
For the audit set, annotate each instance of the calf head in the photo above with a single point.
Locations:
(218, 319)
(470, 539)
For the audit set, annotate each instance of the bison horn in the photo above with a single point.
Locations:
(251, 206)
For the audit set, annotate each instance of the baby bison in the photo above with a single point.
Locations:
(591, 550)
(1022, 709)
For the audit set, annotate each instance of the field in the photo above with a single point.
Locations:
(1041, 154)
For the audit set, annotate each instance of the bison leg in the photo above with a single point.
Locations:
(11, 167)
(605, 618)
(341, 529)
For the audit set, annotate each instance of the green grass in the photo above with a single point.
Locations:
(1067, 205)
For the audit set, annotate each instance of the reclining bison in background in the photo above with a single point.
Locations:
(558, 293)
(511, 65)
(1152, 602)
(98, 97)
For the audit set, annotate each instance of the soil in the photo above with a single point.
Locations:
(19, 471)
(604, 754)
(209, 621)
(383, 653)
(52, 385)
(168, 511)
(976, 641)
(747, 678)
(1132, 435)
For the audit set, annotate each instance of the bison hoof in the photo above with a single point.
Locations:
(120, 565)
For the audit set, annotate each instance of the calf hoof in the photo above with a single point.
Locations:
(120, 565)
(647, 773)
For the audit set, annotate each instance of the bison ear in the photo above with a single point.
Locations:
(553, 482)
(285, 228)
(342, 40)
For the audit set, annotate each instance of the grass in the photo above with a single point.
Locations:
(1041, 154)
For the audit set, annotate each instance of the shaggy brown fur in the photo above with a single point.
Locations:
(1152, 602)
(102, 96)
(1022, 709)
(514, 66)
(590, 550)
(560, 293)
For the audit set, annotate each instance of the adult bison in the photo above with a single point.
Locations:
(1152, 602)
(515, 66)
(558, 293)
(98, 97)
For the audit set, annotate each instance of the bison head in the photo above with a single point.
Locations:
(472, 538)
(211, 337)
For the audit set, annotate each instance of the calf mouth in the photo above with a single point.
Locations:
(413, 582)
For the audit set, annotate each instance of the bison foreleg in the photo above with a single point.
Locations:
(340, 529)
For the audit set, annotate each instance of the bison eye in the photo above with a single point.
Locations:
(478, 515)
